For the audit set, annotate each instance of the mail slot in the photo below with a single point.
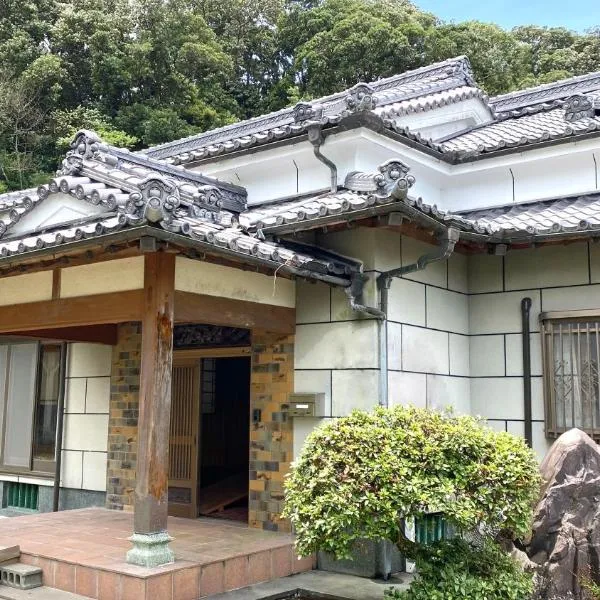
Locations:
(302, 405)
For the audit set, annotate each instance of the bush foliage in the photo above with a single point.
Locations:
(361, 475)
(455, 570)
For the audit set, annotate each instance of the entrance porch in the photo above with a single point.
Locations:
(83, 551)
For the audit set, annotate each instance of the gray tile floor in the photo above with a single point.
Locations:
(344, 587)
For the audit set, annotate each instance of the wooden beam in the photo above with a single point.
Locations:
(96, 334)
(197, 308)
(56, 276)
(116, 307)
(151, 492)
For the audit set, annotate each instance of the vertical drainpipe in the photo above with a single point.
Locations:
(383, 345)
(525, 317)
(447, 242)
(59, 425)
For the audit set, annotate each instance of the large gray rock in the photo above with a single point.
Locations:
(566, 529)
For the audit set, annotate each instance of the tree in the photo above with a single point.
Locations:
(361, 476)
(340, 42)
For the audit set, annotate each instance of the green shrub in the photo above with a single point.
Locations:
(361, 475)
(454, 570)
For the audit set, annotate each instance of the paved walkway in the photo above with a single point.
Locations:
(344, 587)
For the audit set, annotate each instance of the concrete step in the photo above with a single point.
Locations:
(18, 575)
(40, 593)
(9, 553)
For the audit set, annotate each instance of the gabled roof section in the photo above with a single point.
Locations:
(425, 87)
(137, 195)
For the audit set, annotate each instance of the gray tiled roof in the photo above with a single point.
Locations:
(528, 129)
(575, 217)
(545, 94)
(520, 119)
(580, 215)
(448, 75)
(137, 193)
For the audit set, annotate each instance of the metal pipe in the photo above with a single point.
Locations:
(383, 349)
(316, 138)
(384, 281)
(59, 425)
(525, 316)
(355, 297)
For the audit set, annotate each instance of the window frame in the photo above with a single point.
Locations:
(43, 468)
(40, 464)
(548, 321)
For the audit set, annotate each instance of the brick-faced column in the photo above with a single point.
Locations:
(271, 439)
(123, 417)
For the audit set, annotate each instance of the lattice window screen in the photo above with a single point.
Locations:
(571, 350)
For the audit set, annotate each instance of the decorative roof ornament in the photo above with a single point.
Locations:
(360, 98)
(156, 200)
(305, 111)
(581, 106)
(391, 180)
(85, 145)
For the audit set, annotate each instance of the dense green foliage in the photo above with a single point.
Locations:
(454, 570)
(359, 476)
(148, 71)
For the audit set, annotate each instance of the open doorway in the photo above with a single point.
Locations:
(225, 437)
(210, 433)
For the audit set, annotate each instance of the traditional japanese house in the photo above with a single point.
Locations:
(184, 316)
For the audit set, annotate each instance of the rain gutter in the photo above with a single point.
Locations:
(135, 233)
(448, 241)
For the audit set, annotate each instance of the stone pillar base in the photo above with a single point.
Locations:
(150, 549)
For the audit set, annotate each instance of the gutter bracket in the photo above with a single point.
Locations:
(355, 293)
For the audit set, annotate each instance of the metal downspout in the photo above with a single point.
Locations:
(355, 293)
(384, 280)
(315, 137)
(59, 425)
(525, 314)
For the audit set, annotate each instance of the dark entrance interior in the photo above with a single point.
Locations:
(224, 437)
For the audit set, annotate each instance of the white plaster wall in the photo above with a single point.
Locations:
(87, 401)
(33, 287)
(428, 327)
(557, 277)
(454, 330)
(428, 352)
(100, 278)
(199, 277)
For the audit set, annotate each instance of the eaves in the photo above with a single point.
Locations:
(175, 239)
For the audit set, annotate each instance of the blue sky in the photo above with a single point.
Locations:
(508, 13)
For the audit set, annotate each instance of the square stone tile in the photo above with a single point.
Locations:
(160, 587)
(186, 584)
(133, 588)
(281, 561)
(259, 567)
(212, 579)
(108, 586)
(86, 581)
(64, 577)
(236, 573)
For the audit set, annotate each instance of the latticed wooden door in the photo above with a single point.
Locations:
(183, 440)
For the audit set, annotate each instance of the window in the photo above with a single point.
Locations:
(571, 349)
(29, 389)
(46, 406)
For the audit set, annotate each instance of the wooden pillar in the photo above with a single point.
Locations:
(150, 539)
